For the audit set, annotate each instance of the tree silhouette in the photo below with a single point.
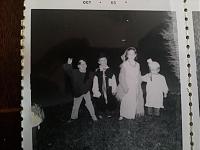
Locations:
(169, 35)
(160, 44)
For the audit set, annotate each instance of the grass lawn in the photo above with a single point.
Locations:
(144, 133)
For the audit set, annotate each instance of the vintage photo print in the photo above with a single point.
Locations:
(72, 39)
(103, 79)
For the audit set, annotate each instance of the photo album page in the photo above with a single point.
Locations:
(111, 75)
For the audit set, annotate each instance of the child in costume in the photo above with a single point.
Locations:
(81, 84)
(156, 88)
(104, 89)
(129, 90)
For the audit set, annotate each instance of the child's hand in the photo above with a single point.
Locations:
(97, 94)
(69, 61)
(114, 93)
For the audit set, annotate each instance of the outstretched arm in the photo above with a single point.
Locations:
(145, 78)
(68, 67)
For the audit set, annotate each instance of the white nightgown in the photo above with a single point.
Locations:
(155, 88)
(132, 102)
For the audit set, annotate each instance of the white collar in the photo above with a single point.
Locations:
(103, 68)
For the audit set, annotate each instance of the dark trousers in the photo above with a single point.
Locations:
(101, 108)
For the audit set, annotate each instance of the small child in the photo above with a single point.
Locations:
(156, 88)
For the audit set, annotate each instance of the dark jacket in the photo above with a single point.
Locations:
(108, 75)
(81, 84)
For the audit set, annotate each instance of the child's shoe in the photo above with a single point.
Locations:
(100, 117)
(94, 118)
(71, 120)
(120, 118)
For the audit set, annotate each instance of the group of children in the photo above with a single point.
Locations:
(105, 91)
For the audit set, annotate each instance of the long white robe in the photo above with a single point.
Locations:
(132, 101)
(155, 88)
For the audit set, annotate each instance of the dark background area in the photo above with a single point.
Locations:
(11, 13)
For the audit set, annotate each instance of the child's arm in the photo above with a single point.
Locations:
(165, 87)
(68, 67)
(113, 84)
(145, 77)
(95, 87)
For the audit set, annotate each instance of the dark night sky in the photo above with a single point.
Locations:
(101, 28)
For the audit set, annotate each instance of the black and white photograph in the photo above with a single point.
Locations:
(196, 23)
(105, 80)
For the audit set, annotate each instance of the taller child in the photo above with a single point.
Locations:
(132, 102)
